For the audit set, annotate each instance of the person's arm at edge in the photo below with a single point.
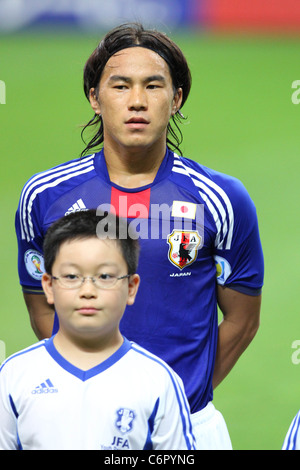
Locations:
(241, 318)
(41, 314)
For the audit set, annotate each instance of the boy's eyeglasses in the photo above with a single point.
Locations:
(75, 281)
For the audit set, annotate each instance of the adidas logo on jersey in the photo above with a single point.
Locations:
(45, 387)
(76, 207)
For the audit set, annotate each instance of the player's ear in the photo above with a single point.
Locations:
(177, 100)
(133, 285)
(47, 286)
(94, 101)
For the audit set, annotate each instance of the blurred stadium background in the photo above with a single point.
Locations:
(243, 119)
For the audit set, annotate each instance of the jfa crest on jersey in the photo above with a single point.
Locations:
(125, 420)
(184, 247)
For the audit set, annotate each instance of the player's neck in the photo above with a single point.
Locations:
(86, 353)
(133, 168)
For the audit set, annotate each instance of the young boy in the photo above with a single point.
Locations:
(88, 387)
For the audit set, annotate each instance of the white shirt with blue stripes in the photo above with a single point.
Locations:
(292, 438)
(131, 401)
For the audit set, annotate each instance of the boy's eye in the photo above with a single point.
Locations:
(71, 277)
(106, 277)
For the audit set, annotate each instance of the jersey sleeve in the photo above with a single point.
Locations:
(8, 418)
(238, 252)
(172, 428)
(292, 438)
(30, 243)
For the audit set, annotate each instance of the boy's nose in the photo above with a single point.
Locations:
(88, 288)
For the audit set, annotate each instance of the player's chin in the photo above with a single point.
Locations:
(140, 142)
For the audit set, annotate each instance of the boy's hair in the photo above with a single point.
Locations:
(83, 225)
(135, 35)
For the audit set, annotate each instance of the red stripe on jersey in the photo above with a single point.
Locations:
(131, 205)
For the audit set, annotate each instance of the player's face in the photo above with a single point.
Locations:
(88, 312)
(136, 99)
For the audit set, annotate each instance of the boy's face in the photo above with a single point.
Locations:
(87, 311)
(136, 99)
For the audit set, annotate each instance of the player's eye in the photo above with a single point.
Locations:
(120, 87)
(153, 86)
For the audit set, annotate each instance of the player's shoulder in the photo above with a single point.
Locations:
(208, 175)
(212, 182)
(23, 356)
(58, 174)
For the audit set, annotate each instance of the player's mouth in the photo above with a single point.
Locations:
(137, 123)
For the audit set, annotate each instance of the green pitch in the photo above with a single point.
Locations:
(241, 120)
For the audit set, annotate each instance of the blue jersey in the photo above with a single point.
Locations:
(197, 227)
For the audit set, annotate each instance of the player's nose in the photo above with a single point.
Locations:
(137, 98)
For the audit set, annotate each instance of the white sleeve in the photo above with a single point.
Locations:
(8, 418)
(172, 428)
(292, 439)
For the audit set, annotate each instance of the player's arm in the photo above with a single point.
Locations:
(30, 234)
(240, 273)
(41, 314)
(241, 316)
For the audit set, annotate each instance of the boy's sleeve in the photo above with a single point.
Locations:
(238, 255)
(8, 419)
(172, 427)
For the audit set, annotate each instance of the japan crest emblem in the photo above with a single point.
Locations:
(184, 245)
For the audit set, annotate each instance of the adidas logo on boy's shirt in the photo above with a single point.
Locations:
(45, 387)
(76, 207)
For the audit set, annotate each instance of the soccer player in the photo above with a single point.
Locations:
(198, 228)
(88, 387)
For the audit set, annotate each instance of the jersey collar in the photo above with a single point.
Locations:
(86, 374)
(164, 170)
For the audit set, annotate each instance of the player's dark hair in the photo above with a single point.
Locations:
(132, 35)
(87, 224)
